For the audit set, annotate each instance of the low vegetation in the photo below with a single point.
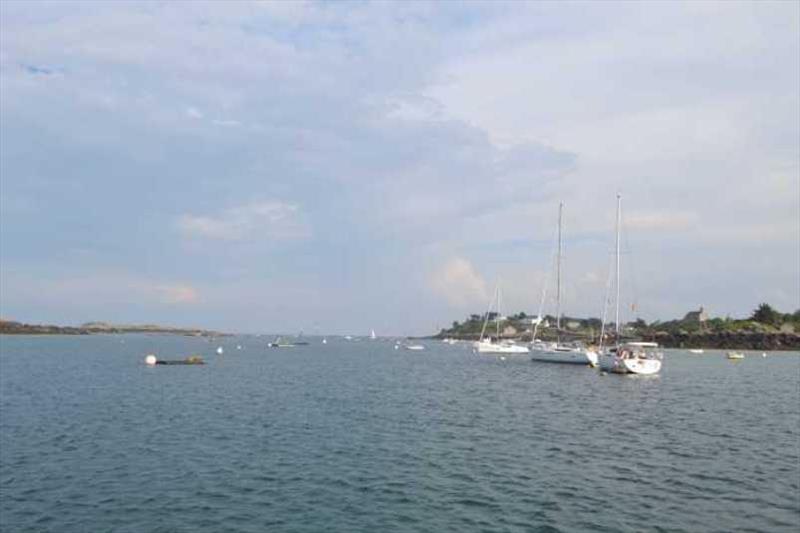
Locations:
(765, 328)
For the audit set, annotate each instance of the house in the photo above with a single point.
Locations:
(698, 316)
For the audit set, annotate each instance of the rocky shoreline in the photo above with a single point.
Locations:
(728, 340)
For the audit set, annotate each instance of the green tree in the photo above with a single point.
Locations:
(765, 314)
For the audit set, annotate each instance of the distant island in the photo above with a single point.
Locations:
(10, 327)
(765, 329)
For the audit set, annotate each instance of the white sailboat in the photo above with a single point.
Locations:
(630, 357)
(496, 345)
(372, 334)
(558, 352)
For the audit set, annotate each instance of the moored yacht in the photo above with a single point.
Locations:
(630, 357)
(558, 352)
(487, 344)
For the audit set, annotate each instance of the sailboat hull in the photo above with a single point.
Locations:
(501, 348)
(575, 357)
(637, 365)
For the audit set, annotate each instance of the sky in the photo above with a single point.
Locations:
(336, 167)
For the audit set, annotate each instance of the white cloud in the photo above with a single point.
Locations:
(192, 112)
(270, 219)
(227, 123)
(177, 294)
(459, 284)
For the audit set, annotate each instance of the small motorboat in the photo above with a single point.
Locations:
(735, 356)
(152, 360)
(696, 351)
(414, 347)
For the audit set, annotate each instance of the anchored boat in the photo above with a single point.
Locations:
(630, 357)
(558, 352)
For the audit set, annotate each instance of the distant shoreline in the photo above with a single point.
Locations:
(10, 327)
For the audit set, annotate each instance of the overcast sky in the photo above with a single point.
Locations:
(342, 166)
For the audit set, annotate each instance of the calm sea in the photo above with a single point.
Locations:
(357, 436)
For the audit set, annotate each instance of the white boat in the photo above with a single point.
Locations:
(630, 357)
(279, 343)
(558, 352)
(496, 345)
(735, 356)
(372, 334)
(414, 347)
(489, 345)
(697, 351)
(552, 352)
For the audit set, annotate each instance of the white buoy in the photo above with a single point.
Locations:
(220, 350)
(238, 346)
(763, 354)
(502, 357)
(150, 360)
(324, 341)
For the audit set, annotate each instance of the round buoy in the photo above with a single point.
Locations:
(220, 350)
(238, 346)
(150, 360)
(503, 358)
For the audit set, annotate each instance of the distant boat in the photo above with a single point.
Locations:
(631, 357)
(414, 347)
(558, 352)
(496, 345)
(372, 334)
(735, 356)
(348, 337)
(279, 343)
(220, 350)
(697, 351)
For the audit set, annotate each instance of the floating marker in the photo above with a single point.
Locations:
(150, 360)
(220, 350)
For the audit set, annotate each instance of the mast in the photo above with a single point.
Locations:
(558, 278)
(486, 317)
(616, 268)
(497, 318)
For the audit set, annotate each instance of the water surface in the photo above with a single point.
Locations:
(357, 436)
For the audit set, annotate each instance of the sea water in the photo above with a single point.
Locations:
(358, 436)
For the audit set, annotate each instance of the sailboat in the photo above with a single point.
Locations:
(372, 334)
(558, 352)
(630, 357)
(487, 344)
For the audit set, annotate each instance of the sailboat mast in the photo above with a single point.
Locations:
(616, 268)
(558, 277)
(497, 318)
(486, 317)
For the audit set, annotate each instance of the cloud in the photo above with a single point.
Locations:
(177, 294)
(666, 221)
(192, 112)
(272, 220)
(379, 134)
(459, 284)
